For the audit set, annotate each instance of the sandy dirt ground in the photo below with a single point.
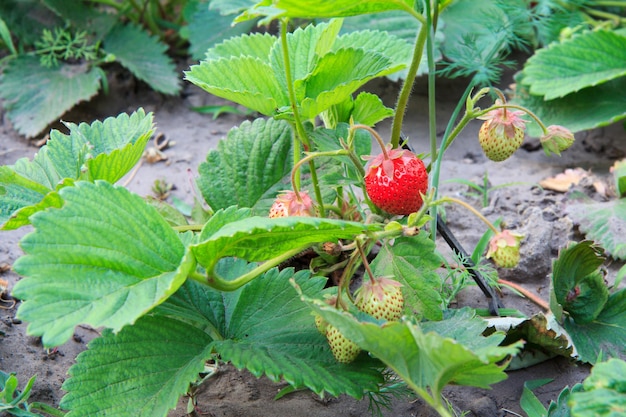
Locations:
(537, 213)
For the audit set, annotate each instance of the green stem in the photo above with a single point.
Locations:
(300, 134)
(366, 264)
(470, 208)
(216, 281)
(407, 86)
(46, 409)
(505, 106)
(432, 109)
(111, 3)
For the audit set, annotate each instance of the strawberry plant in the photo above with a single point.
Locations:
(297, 215)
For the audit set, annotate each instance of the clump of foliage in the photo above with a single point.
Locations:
(227, 283)
(59, 52)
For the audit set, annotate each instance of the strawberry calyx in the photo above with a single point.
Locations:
(503, 121)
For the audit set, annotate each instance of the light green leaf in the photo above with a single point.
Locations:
(330, 8)
(529, 401)
(605, 223)
(248, 165)
(369, 109)
(104, 259)
(619, 177)
(103, 150)
(248, 81)
(144, 56)
(397, 50)
(605, 335)
(337, 75)
(5, 35)
(574, 110)
(140, 371)
(206, 27)
(396, 23)
(255, 45)
(35, 96)
(413, 262)
(425, 359)
(581, 61)
(271, 332)
(262, 238)
(604, 392)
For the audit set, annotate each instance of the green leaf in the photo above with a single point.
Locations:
(140, 371)
(604, 222)
(329, 8)
(608, 105)
(397, 50)
(369, 109)
(104, 259)
(581, 61)
(396, 23)
(306, 46)
(337, 75)
(248, 81)
(207, 27)
(271, 332)
(262, 238)
(255, 45)
(574, 263)
(103, 150)
(529, 401)
(248, 165)
(604, 335)
(35, 96)
(604, 391)
(5, 35)
(413, 262)
(426, 359)
(144, 56)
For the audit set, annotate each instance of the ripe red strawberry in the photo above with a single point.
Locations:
(504, 249)
(288, 204)
(344, 350)
(395, 182)
(381, 298)
(502, 133)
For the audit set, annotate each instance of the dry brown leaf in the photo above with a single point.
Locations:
(563, 181)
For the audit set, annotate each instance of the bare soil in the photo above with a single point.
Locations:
(535, 212)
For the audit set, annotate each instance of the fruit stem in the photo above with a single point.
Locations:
(309, 158)
(470, 208)
(300, 135)
(506, 106)
(365, 262)
(214, 280)
(407, 86)
(380, 141)
(532, 297)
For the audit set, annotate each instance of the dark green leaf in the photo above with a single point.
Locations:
(581, 61)
(140, 371)
(604, 335)
(413, 262)
(249, 165)
(207, 27)
(35, 96)
(144, 56)
(574, 111)
(105, 258)
(604, 222)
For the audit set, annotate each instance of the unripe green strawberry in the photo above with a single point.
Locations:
(344, 350)
(381, 298)
(321, 324)
(395, 183)
(504, 249)
(502, 133)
